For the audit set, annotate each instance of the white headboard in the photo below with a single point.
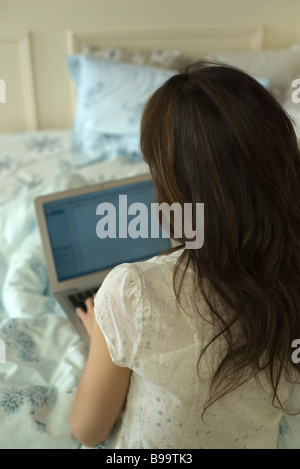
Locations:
(196, 42)
(19, 109)
(37, 99)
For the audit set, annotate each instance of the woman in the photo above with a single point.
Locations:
(192, 349)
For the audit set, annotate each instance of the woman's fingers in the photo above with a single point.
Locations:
(89, 302)
(87, 317)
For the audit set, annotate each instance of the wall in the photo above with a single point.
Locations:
(47, 101)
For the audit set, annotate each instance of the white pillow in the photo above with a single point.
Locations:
(280, 66)
(162, 58)
(111, 96)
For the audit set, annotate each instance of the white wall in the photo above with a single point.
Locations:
(46, 79)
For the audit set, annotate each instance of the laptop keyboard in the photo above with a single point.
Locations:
(78, 299)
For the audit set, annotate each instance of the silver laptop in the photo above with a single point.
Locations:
(77, 258)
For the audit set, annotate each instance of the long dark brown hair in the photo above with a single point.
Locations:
(213, 134)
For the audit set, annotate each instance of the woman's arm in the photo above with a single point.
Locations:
(102, 391)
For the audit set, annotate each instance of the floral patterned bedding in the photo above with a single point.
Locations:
(28, 159)
(44, 356)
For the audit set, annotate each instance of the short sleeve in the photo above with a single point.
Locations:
(118, 312)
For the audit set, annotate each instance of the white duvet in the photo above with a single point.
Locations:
(44, 355)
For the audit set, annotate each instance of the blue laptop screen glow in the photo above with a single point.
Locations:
(76, 247)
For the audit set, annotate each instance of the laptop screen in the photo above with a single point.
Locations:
(88, 233)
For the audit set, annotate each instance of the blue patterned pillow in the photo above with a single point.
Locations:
(110, 100)
(263, 81)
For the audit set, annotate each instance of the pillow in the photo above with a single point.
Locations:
(110, 99)
(279, 66)
(264, 82)
(172, 59)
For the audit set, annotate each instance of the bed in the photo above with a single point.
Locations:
(41, 355)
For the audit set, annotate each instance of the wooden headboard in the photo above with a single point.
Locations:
(30, 90)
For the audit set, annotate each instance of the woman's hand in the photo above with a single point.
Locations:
(87, 318)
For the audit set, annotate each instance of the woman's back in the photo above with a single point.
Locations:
(168, 390)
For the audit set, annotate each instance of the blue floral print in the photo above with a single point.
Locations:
(15, 398)
(93, 95)
(43, 144)
(20, 340)
(40, 270)
(12, 400)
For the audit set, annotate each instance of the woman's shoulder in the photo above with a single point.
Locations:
(160, 264)
(150, 283)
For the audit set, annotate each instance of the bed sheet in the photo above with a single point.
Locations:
(27, 159)
(44, 356)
